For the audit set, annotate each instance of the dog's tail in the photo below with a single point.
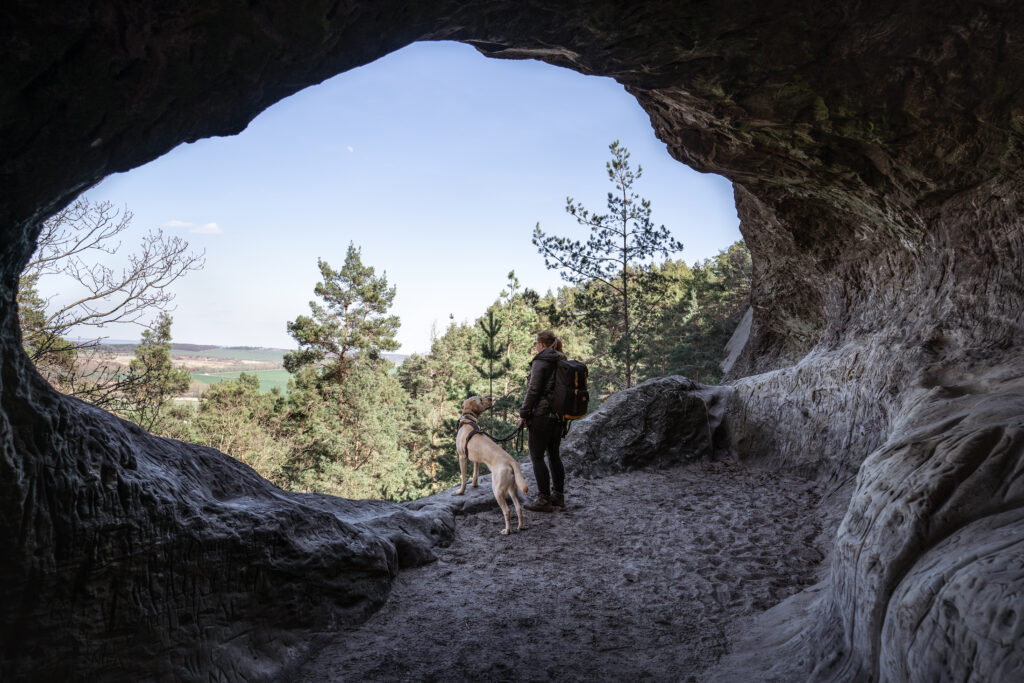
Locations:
(520, 482)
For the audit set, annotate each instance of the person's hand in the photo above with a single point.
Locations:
(522, 422)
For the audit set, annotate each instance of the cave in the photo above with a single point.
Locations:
(876, 153)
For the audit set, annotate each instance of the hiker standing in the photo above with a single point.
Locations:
(545, 427)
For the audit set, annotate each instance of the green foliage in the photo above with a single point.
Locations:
(31, 312)
(703, 311)
(351, 318)
(351, 424)
(346, 439)
(391, 434)
(152, 378)
(345, 404)
(436, 385)
(519, 328)
(491, 351)
(618, 287)
(235, 417)
(54, 357)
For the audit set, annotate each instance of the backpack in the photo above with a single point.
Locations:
(570, 398)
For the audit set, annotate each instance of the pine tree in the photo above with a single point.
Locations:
(152, 378)
(620, 288)
(350, 320)
(521, 326)
(491, 350)
(55, 357)
(345, 405)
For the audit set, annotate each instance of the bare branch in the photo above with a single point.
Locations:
(71, 243)
(74, 243)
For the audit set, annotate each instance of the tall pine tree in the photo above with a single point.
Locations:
(346, 405)
(492, 351)
(614, 266)
(351, 319)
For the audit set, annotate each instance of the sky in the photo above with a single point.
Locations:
(435, 161)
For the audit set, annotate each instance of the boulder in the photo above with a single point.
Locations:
(660, 422)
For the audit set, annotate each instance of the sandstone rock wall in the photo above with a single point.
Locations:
(132, 557)
(876, 152)
(915, 388)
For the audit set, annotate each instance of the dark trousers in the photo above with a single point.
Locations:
(546, 437)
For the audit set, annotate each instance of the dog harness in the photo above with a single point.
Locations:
(476, 428)
(467, 420)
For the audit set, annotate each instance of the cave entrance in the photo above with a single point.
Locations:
(435, 160)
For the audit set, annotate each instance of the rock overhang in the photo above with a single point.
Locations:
(876, 153)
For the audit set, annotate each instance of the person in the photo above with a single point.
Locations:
(545, 428)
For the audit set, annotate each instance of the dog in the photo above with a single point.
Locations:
(471, 444)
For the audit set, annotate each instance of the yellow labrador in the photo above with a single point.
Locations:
(472, 444)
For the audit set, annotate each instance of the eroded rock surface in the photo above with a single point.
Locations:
(136, 555)
(876, 154)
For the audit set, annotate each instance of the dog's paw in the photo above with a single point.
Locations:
(458, 493)
(504, 532)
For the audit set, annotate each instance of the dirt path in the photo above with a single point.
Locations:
(643, 576)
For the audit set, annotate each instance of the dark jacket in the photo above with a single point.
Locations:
(540, 384)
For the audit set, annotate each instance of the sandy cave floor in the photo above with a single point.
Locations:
(644, 575)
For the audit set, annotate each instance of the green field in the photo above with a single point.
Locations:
(268, 378)
(273, 355)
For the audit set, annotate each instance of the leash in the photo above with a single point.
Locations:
(516, 434)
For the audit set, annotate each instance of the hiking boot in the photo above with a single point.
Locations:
(541, 503)
(558, 499)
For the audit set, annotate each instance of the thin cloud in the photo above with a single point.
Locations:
(349, 148)
(207, 229)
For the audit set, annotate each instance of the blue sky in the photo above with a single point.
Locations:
(435, 160)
